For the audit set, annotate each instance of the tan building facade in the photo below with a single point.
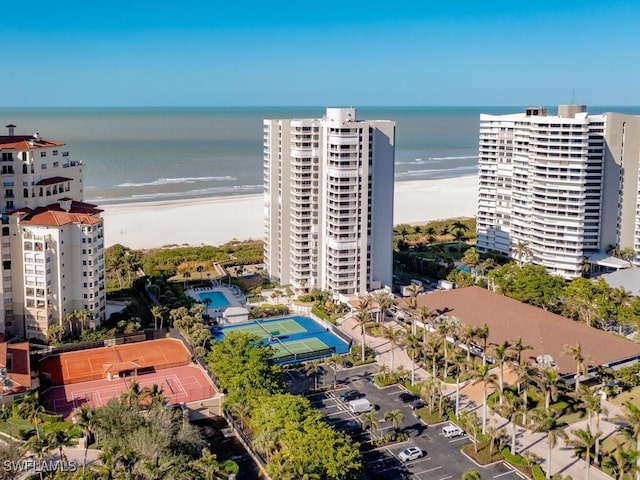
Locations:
(328, 188)
(52, 243)
(564, 185)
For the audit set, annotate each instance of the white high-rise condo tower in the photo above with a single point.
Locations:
(52, 243)
(559, 190)
(328, 195)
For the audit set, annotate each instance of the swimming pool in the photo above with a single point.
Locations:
(218, 299)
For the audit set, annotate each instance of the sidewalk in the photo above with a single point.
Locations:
(563, 460)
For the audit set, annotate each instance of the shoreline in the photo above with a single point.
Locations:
(220, 219)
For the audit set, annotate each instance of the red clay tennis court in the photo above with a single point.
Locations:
(115, 361)
(179, 384)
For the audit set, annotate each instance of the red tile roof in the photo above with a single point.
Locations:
(54, 215)
(53, 180)
(20, 371)
(546, 332)
(26, 142)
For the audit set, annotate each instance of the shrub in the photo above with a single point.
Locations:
(511, 458)
(537, 473)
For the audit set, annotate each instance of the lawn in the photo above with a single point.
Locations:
(632, 396)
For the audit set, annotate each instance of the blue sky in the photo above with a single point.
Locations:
(415, 53)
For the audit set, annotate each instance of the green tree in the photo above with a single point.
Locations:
(575, 351)
(395, 417)
(521, 251)
(370, 420)
(55, 334)
(59, 439)
(486, 377)
(621, 461)
(394, 335)
(29, 407)
(413, 346)
(472, 474)
(584, 444)
(631, 418)
(500, 353)
(244, 367)
(547, 421)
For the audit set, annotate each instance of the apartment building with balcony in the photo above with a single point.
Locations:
(564, 185)
(52, 243)
(328, 199)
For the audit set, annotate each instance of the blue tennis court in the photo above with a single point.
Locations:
(294, 338)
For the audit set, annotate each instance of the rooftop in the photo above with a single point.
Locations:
(546, 332)
(54, 215)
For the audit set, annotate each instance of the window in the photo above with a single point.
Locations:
(43, 166)
(43, 154)
(55, 152)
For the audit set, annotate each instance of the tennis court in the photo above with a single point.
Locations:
(108, 362)
(179, 384)
(294, 338)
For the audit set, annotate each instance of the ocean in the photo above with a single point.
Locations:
(145, 154)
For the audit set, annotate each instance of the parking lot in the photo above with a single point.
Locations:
(442, 457)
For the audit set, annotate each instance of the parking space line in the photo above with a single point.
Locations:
(417, 474)
(445, 478)
(503, 474)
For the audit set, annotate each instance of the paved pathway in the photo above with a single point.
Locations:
(563, 459)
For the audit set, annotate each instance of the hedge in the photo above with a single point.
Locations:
(511, 458)
(537, 473)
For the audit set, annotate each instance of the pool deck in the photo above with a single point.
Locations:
(232, 293)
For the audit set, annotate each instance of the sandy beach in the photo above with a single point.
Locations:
(216, 220)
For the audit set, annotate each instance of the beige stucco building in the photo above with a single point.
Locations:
(328, 197)
(52, 243)
(564, 185)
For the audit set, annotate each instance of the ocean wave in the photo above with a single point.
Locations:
(170, 181)
(438, 172)
(422, 161)
(200, 192)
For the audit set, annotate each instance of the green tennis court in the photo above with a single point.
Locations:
(297, 347)
(287, 326)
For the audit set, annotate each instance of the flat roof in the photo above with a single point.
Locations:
(546, 332)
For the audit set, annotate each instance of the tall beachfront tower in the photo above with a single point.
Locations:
(328, 199)
(565, 186)
(52, 243)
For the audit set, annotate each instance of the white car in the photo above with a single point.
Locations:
(452, 431)
(410, 453)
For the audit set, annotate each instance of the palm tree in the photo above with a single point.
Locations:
(547, 421)
(547, 380)
(39, 446)
(131, 397)
(395, 417)
(526, 374)
(460, 365)
(431, 352)
(431, 234)
(591, 401)
(632, 429)
(427, 388)
(334, 361)
(575, 351)
(265, 443)
(468, 333)
(186, 276)
(622, 461)
(447, 327)
(501, 353)
(84, 419)
(384, 301)
(584, 442)
(208, 466)
(312, 369)
(444, 232)
(29, 407)
(459, 230)
(362, 318)
(471, 258)
(394, 336)
(483, 334)
(370, 420)
(510, 410)
(200, 269)
(485, 376)
(413, 347)
(60, 439)
(518, 347)
(521, 251)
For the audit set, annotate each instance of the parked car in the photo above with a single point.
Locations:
(416, 404)
(407, 397)
(410, 453)
(350, 395)
(353, 426)
(452, 431)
